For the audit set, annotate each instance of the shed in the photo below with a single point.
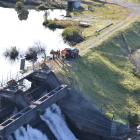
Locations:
(74, 5)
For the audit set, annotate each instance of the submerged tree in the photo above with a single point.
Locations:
(21, 11)
(31, 55)
(34, 51)
(23, 15)
(12, 53)
(41, 50)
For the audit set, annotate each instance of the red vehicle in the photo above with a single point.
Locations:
(70, 53)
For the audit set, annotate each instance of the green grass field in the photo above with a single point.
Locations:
(99, 15)
(134, 1)
(105, 74)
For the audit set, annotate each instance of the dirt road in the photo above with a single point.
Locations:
(135, 8)
(95, 41)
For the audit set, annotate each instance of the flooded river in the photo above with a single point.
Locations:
(24, 34)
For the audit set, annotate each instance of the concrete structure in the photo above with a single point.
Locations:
(22, 64)
(27, 114)
(44, 90)
(87, 121)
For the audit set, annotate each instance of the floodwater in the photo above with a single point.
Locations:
(24, 34)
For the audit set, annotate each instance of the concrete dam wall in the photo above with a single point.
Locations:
(86, 121)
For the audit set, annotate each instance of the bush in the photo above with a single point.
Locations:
(19, 6)
(61, 24)
(23, 14)
(133, 119)
(109, 115)
(53, 25)
(42, 7)
(21, 11)
(12, 53)
(31, 54)
(72, 35)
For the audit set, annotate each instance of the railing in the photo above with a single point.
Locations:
(19, 75)
(17, 120)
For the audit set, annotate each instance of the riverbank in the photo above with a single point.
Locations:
(11, 4)
(34, 4)
(109, 79)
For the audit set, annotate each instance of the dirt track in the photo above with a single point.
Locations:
(95, 41)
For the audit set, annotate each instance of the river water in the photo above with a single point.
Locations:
(24, 34)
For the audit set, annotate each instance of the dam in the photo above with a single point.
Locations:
(25, 100)
(44, 91)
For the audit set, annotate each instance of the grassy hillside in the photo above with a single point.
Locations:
(105, 74)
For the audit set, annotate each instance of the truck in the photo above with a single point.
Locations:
(70, 53)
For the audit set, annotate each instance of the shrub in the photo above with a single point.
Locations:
(53, 25)
(110, 115)
(31, 54)
(42, 7)
(21, 11)
(61, 24)
(12, 53)
(19, 6)
(133, 119)
(72, 35)
(23, 14)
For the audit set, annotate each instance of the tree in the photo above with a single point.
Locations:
(19, 6)
(34, 51)
(31, 55)
(41, 50)
(133, 119)
(23, 15)
(21, 11)
(12, 53)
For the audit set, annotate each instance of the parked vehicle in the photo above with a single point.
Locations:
(70, 53)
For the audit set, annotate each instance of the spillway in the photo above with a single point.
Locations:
(52, 117)
(29, 134)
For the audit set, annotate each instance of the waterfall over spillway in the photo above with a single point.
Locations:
(55, 120)
(29, 134)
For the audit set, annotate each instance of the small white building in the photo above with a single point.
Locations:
(74, 4)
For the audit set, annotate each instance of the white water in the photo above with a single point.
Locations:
(29, 134)
(55, 120)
